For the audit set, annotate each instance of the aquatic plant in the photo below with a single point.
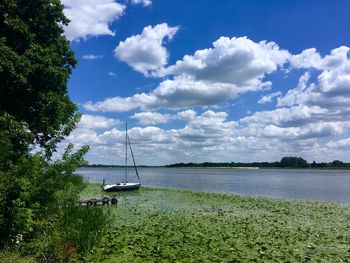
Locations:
(164, 225)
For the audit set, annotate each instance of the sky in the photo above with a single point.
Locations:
(211, 81)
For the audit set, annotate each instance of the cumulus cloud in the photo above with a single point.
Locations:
(238, 61)
(90, 17)
(314, 112)
(308, 121)
(205, 137)
(210, 136)
(141, 2)
(96, 122)
(332, 88)
(287, 117)
(297, 95)
(268, 98)
(310, 58)
(308, 131)
(145, 52)
(183, 92)
(151, 117)
(344, 143)
(178, 93)
(208, 130)
(209, 77)
(186, 115)
(118, 104)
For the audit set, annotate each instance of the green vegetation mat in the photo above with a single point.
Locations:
(166, 225)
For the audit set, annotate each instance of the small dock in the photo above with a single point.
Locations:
(98, 202)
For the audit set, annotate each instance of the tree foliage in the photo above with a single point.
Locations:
(35, 109)
(35, 64)
(293, 162)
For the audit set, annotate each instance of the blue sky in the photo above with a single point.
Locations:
(211, 80)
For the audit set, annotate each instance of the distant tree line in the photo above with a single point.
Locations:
(285, 162)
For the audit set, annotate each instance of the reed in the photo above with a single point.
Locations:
(82, 226)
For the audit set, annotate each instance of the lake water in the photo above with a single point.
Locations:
(324, 185)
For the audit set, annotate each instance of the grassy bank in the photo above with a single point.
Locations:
(163, 225)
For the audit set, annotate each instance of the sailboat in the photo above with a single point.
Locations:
(125, 185)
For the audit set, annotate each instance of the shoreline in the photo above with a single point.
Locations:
(218, 167)
(194, 191)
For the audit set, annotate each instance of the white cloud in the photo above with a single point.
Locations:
(142, 2)
(90, 17)
(210, 136)
(186, 115)
(297, 95)
(344, 143)
(238, 61)
(308, 131)
(332, 89)
(112, 74)
(151, 117)
(92, 57)
(308, 58)
(145, 52)
(96, 122)
(268, 98)
(179, 93)
(118, 104)
(209, 77)
(287, 117)
(308, 120)
(183, 92)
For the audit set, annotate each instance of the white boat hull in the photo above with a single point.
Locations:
(121, 187)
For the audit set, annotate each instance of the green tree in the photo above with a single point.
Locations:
(293, 162)
(337, 163)
(35, 64)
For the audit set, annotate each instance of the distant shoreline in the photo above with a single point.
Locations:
(220, 167)
(287, 162)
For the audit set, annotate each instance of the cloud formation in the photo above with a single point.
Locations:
(96, 122)
(331, 91)
(209, 77)
(90, 18)
(210, 136)
(151, 117)
(268, 98)
(145, 52)
(237, 61)
(309, 120)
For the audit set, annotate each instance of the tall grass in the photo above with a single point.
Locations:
(82, 227)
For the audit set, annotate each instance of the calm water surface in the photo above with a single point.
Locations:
(324, 185)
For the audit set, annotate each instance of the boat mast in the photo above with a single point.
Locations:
(126, 152)
(133, 159)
